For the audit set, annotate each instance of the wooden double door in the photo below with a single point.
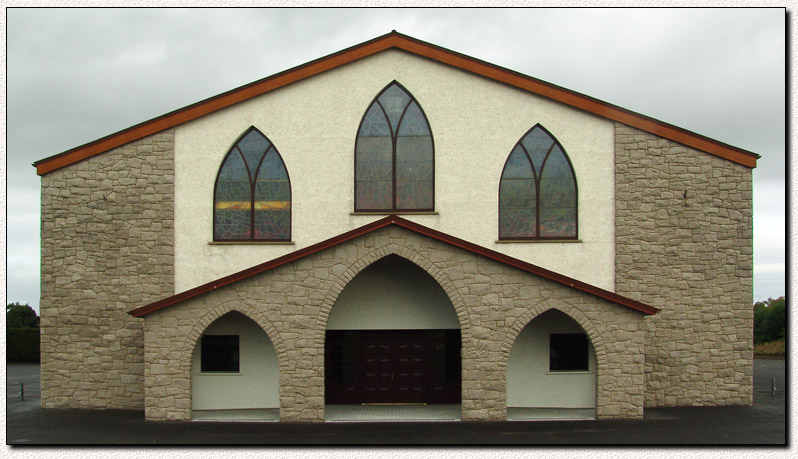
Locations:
(392, 366)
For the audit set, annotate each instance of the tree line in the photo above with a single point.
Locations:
(770, 320)
(22, 333)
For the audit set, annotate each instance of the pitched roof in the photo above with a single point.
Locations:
(415, 227)
(395, 40)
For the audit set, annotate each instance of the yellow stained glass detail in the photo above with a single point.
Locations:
(259, 205)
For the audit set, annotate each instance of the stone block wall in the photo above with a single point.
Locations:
(107, 247)
(684, 244)
(493, 303)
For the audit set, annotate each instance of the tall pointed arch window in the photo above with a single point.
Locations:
(394, 156)
(537, 194)
(252, 195)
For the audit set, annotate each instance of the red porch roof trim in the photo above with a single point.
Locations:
(415, 227)
(413, 46)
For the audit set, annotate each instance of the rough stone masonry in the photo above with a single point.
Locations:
(683, 244)
(493, 303)
(684, 235)
(107, 246)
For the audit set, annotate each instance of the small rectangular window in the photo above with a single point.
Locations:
(220, 353)
(568, 352)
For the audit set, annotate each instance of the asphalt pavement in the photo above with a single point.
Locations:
(764, 423)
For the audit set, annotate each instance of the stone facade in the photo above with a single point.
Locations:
(107, 246)
(493, 303)
(684, 245)
(680, 240)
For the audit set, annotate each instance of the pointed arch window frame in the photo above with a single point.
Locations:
(253, 184)
(536, 178)
(394, 136)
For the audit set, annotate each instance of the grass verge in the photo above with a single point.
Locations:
(771, 349)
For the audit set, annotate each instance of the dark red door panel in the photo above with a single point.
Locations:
(377, 371)
(392, 366)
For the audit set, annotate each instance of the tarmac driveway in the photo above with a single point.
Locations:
(763, 423)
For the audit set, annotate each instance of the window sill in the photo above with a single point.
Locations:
(395, 212)
(536, 241)
(219, 373)
(251, 243)
(570, 372)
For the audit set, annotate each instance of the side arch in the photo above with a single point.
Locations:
(377, 254)
(191, 340)
(570, 311)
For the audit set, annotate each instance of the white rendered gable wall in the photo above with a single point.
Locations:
(475, 123)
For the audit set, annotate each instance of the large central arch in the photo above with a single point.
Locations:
(369, 258)
(392, 335)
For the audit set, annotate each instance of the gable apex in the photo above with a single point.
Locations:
(395, 40)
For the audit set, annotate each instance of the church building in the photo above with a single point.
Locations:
(397, 225)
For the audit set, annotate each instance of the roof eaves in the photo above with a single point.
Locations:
(257, 269)
(578, 100)
(528, 267)
(214, 103)
(417, 47)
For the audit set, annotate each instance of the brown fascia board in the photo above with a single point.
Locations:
(415, 227)
(412, 45)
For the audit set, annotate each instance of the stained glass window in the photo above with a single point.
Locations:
(537, 193)
(252, 198)
(394, 166)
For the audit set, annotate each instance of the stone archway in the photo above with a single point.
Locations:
(528, 351)
(393, 335)
(234, 372)
(393, 249)
(256, 386)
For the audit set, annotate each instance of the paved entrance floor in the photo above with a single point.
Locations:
(394, 413)
(762, 424)
(253, 415)
(550, 414)
(391, 413)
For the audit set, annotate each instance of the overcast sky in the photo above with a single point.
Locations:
(77, 75)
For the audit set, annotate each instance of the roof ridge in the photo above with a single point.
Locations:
(396, 40)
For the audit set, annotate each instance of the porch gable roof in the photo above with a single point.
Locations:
(409, 225)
